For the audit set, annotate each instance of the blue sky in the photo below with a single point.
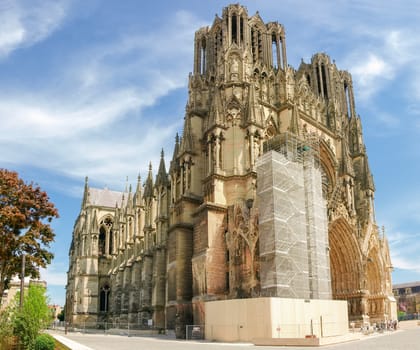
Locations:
(96, 88)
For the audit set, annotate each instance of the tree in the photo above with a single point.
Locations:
(25, 217)
(33, 317)
(61, 316)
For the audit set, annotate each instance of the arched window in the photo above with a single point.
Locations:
(319, 80)
(111, 242)
(102, 240)
(104, 298)
(105, 246)
(324, 81)
(234, 30)
(308, 79)
(203, 57)
(241, 30)
(321, 75)
(275, 50)
(218, 45)
(347, 97)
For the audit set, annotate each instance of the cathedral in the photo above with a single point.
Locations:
(268, 193)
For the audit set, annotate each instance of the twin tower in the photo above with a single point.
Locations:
(268, 193)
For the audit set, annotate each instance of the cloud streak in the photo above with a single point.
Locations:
(96, 117)
(106, 98)
(23, 26)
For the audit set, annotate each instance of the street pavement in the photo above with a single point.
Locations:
(406, 338)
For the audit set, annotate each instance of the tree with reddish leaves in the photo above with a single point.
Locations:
(25, 216)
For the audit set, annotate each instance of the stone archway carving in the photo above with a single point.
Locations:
(242, 243)
(346, 266)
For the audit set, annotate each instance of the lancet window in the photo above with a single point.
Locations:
(102, 240)
(348, 99)
(322, 78)
(104, 298)
(237, 29)
(203, 56)
(105, 244)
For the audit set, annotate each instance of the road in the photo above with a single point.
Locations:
(403, 339)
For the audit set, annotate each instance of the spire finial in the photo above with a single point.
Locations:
(126, 184)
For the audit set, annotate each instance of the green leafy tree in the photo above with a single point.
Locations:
(32, 317)
(61, 316)
(25, 217)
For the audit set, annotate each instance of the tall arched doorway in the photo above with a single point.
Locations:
(346, 267)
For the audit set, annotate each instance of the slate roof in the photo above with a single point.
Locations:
(105, 197)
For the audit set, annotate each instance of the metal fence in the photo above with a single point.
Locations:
(116, 328)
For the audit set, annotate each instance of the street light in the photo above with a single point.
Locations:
(22, 280)
(22, 273)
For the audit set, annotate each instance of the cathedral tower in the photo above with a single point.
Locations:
(196, 233)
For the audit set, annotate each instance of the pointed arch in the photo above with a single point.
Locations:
(345, 259)
(106, 236)
(257, 30)
(329, 166)
(102, 241)
(104, 295)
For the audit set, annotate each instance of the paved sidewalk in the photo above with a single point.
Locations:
(407, 338)
(69, 343)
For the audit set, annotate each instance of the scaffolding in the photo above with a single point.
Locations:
(293, 220)
(294, 148)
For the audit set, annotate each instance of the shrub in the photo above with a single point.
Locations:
(44, 342)
(6, 326)
(33, 317)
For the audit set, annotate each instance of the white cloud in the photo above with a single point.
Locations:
(370, 72)
(87, 140)
(38, 119)
(22, 25)
(404, 247)
(405, 262)
(385, 56)
(158, 60)
(94, 123)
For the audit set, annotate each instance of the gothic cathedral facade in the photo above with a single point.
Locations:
(192, 234)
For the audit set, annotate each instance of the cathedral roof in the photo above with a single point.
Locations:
(105, 197)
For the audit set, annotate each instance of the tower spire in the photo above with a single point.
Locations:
(174, 164)
(86, 199)
(161, 177)
(148, 187)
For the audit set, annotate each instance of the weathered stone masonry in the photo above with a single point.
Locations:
(192, 234)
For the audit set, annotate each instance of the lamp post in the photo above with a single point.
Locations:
(22, 273)
(22, 280)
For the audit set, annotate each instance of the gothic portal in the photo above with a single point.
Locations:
(201, 231)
